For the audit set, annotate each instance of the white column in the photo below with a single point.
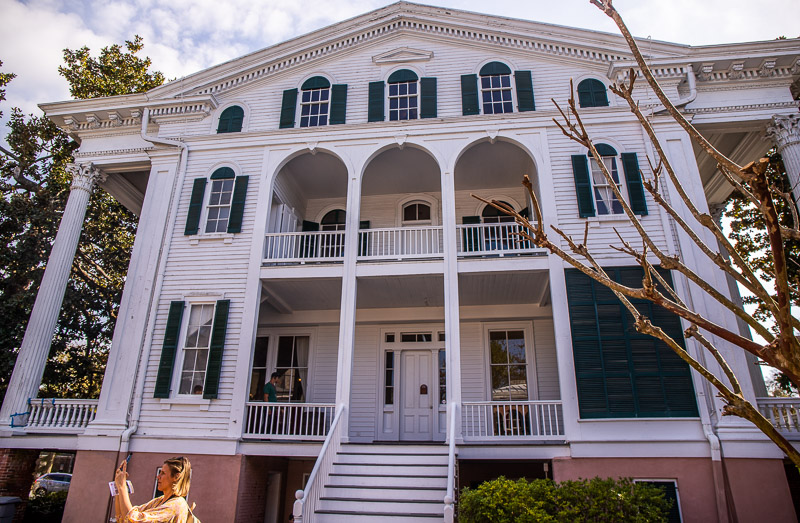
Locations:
(784, 130)
(347, 317)
(452, 316)
(32, 357)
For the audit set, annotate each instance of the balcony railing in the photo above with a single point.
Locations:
(302, 247)
(305, 421)
(400, 243)
(491, 238)
(528, 420)
(58, 415)
(783, 413)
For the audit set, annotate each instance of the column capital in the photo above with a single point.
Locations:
(85, 176)
(784, 130)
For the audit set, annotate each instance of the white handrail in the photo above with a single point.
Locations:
(400, 242)
(304, 246)
(306, 500)
(310, 421)
(449, 497)
(492, 238)
(783, 413)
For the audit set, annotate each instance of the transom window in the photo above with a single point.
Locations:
(292, 367)
(230, 121)
(416, 337)
(195, 349)
(492, 215)
(334, 220)
(496, 88)
(417, 212)
(605, 200)
(219, 205)
(403, 95)
(315, 102)
(508, 365)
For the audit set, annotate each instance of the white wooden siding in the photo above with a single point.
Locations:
(325, 356)
(363, 395)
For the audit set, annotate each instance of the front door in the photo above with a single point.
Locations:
(417, 392)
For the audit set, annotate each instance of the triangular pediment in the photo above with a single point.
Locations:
(402, 55)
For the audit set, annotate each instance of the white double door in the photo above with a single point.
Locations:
(417, 395)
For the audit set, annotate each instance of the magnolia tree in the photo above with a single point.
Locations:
(780, 347)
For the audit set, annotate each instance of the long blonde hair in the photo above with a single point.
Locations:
(181, 469)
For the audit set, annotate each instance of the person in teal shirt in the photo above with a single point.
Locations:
(270, 392)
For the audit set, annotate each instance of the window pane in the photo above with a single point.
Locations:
(497, 347)
(516, 347)
(499, 383)
(519, 383)
(285, 346)
(389, 396)
(410, 214)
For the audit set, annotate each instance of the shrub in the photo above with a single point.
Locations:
(595, 500)
(47, 508)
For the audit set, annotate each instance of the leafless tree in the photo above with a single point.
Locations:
(781, 348)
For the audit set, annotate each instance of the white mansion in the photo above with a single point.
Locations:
(307, 210)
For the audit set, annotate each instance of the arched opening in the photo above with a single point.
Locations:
(493, 171)
(401, 206)
(304, 187)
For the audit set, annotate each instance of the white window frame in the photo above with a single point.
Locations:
(622, 186)
(510, 88)
(310, 103)
(177, 369)
(530, 357)
(433, 203)
(389, 99)
(274, 335)
(207, 205)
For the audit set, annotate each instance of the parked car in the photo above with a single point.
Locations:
(51, 482)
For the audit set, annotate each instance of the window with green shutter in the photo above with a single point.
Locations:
(496, 88)
(230, 121)
(592, 93)
(594, 192)
(619, 372)
(315, 100)
(225, 204)
(403, 95)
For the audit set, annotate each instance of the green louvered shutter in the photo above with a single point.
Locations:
(230, 121)
(619, 372)
(428, 89)
(288, 108)
(195, 207)
(376, 104)
(168, 349)
(237, 204)
(524, 91)
(216, 346)
(469, 94)
(338, 104)
(583, 185)
(633, 179)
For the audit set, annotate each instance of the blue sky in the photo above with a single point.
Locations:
(184, 36)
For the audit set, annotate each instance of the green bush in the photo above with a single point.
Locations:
(595, 500)
(46, 508)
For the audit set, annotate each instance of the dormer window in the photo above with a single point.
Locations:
(403, 95)
(230, 121)
(314, 102)
(592, 93)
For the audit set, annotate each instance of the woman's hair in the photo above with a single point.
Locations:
(182, 470)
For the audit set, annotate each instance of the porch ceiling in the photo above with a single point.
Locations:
(319, 175)
(492, 165)
(400, 291)
(396, 171)
(504, 288)
(287, 296)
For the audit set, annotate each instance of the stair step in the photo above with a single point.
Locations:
(384, 469)
(344, 516)
(335, 479)
(392, 458)
(397, 506)
(371, 448)
(385, 492)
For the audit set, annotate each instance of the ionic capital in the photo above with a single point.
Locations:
(784, 130)
(85, 176)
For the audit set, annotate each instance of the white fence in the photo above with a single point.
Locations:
(511, 420)
(783, 413)
(307, 421)
(491, 238)
(60, 415)
(400, 242)
(308, 499)
(301, 247)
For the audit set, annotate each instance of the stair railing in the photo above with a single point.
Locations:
(307, 500)
(449, 497)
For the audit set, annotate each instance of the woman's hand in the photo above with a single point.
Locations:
(121, 476)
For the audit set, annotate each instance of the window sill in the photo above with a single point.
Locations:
(595, 221)
(225, 237)
(167, 403)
